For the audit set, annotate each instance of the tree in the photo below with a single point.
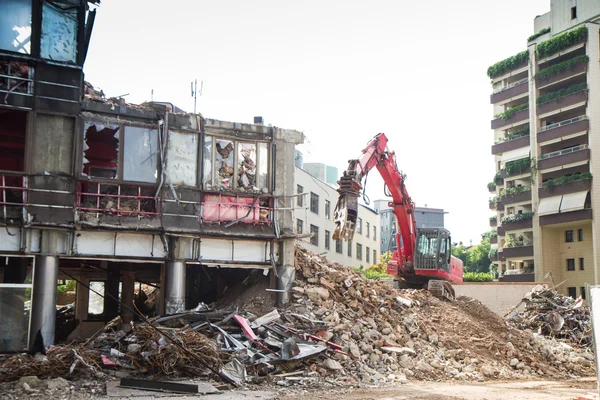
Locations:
(478, 259)
(460, 251)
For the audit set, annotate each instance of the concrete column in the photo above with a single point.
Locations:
(43, 305)
(174, 287)
(127, 291)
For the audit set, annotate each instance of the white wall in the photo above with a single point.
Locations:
(308, 218)
(498, 297)
(561, 13)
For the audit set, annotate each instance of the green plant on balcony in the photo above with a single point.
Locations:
(561, 42)
(510, 63)
(493, 200)
(564, 66)
(517, 166)
(498, 176)
(510, 241)
(506, 115)
(491, 186)
(517, 133)
(550, 183)
(511, 191)
(573, 89)
(537, 35)
(493, 254)
(526, 216)
(494, 219)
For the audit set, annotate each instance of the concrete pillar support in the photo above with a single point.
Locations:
(174, 287)
(43, 305)
(127, 293)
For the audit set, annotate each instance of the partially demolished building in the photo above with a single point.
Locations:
(113, 194)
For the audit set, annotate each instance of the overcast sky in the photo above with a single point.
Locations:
(339, 71)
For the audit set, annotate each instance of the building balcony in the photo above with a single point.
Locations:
(513, 226)
(493, 222)
(521, 277)
(564, 128)
(565, 188)
(499, 205)
(492, 205)
(525, 170)
(516, 198)
(518, 252)
(509, 145)
(563, 157)
(500, 230)
(520, 116)
(579, 69)
(562, 102)
(509, 91)
(494, 240)
(573, 216)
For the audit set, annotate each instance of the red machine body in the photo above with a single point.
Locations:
(422, 254)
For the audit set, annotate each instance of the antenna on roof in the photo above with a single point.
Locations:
(194, 86)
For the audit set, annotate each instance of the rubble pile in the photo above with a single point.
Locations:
(551, 314)
(402, 334)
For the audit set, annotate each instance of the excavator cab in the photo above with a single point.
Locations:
(432, 249)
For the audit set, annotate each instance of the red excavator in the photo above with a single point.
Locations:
(423, 256)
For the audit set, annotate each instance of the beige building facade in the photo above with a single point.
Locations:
(545, 196)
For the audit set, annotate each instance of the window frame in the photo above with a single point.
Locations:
(299, 196)
(581, 264)
(570, 264)
(327, 209)
(314, 203)
(359, 222)
(359, 251)
(368, 255)
(314, 239)
(236, 161)
(339, 247)
(119, 178)
(375, 256)
(582, 292)
(572, 292)
(367, 229)
(374, 232)
(569, 236)
(299, 226)
(349, 251)
(580, 235)
(327, 240)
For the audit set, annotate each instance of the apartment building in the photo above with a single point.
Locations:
(546, 102)
(113, 195)
(425, 217)
(313, 212)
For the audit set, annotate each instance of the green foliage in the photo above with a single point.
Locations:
(556, 69)
(460, 251)
(498, 176)
(491, 186)
(477, 277)
(494, 218)
(493, 254)
(578, 87)
(68, 287)
(514, 190)
(561, 42)
(477, 257)
(378, 270)
(506, 115)
(490, 234)
(537, 35)
(372, 274)
(517, 217)
(508, 64)
(550, 183)
(518, 166)
(494, 200)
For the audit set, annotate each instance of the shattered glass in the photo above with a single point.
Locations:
(58, 40)
(207, 162)
(224, 163)
(263, 167)
(247, 167)
(141, 154)
(100, 150)
(182, 158)
(15, 26)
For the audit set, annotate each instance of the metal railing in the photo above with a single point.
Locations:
(511, 85)
(562, 123)
(563, 152)
(116, 199)
(15, 81)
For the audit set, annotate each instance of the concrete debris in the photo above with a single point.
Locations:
(553, 315)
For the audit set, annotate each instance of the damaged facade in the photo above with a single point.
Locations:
(117, 195)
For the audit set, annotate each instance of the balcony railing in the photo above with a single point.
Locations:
(563, 152)
(223, 208)
(511, 85)
(562, 123)
(116, 199)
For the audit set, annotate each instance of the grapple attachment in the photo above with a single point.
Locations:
(346, 209)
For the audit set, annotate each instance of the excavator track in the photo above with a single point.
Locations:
(441, 289)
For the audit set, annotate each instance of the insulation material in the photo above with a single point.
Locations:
(140, 154)
(182, 157)
(10, 238)
(95, 243)
(549, 205)
(216, 249)
(248, 251)
(133, 245)
(573, 201)
(230, 208)
(34, 240)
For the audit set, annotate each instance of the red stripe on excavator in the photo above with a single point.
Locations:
(436, 273)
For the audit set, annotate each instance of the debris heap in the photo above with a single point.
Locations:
(551, 314)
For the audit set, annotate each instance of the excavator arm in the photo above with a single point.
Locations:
(345, 214)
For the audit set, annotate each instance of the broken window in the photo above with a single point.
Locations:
(182, 158)
(234, 165)
(15, 26)
(101, 150)
(247, 167)
(96, 299)
(140, 154)
(58, 40)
